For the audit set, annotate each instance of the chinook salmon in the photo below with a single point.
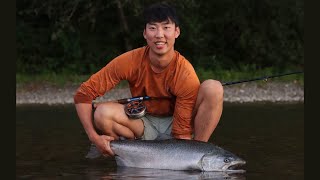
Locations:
(175, 154)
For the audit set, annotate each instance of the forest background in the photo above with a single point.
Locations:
(68, 40)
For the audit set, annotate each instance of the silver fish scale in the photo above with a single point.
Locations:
(162, 154)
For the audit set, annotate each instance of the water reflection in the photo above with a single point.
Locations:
(139, 173)
(51, 144)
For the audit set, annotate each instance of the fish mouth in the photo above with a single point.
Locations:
(235, 167)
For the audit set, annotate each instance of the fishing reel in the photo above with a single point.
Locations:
(135, 109)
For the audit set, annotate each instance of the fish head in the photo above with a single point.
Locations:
(222, 161)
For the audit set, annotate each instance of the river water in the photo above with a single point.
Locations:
(51, 144)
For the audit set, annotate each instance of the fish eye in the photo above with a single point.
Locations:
(227, 160)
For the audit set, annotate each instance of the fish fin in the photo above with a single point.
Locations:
(93, 152)
(120, 162)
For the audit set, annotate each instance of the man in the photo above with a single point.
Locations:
(184, 109)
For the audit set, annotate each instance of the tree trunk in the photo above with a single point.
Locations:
(124, 24)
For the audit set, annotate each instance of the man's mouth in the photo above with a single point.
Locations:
(160, 45)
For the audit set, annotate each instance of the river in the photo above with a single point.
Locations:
(51, 144)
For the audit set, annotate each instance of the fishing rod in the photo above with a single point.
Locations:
(260, 78)
(144, 98)
(128, 100)
(134, 107)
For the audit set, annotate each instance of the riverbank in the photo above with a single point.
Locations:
(240, 93)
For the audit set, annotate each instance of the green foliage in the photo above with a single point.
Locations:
(78, 36)
(243, 73)
(52, 78)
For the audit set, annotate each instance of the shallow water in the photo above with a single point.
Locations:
(51, 144)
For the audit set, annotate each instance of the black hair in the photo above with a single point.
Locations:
(160, 12)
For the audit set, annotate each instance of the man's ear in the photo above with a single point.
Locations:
(144, 34)
(177, 32)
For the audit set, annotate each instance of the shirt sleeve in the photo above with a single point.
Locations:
(187, 90)
(108, 77)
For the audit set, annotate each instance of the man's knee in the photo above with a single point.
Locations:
(103, 116)
(211, 88)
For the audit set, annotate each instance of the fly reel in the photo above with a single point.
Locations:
(135, 109)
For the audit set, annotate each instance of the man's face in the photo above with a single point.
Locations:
(161, 36)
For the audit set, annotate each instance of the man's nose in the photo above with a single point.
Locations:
(159, 33)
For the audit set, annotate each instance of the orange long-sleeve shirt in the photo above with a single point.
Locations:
(178, 81)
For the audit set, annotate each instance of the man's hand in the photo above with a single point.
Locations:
(103, 145)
